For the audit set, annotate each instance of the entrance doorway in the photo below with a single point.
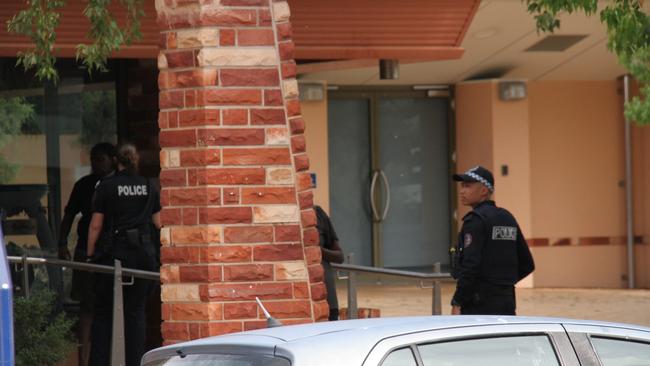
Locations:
(389, 163)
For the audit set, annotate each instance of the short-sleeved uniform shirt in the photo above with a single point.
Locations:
(80, 201)
(122, 199)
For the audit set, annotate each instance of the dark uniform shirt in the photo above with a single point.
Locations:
(81, 202)
(123, 198)
(325, 229)
(491, 252)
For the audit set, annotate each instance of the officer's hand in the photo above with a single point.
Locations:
(64, 253)
(455, 310)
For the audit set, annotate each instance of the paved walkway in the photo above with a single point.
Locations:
(402, 298)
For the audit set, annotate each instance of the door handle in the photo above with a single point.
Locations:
(387, 206)
(373, 185)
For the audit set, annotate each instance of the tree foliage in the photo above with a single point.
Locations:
(14, 113)
(39, 21)
(628, 31)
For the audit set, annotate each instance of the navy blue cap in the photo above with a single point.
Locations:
(477, 174)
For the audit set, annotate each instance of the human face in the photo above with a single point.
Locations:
(102, 165)
(473, 193)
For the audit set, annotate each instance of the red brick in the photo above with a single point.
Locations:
(248, 272)
(321, 311)
(164, 196)
(284, 31)
(241, 292)
(298, 144)
(165, 311)
(230, 136)
(300, 290)
(230, 97)
(191, 98)
(193, 78)
(289, 309)
(289, 69)
(297, 126)
(232, 176)
(286, 233)
(198, 117)
(273, 97)
(293, 107)
(192, 177)
(311, 237)
(301, 162)
(200, 157)
(249, 77)
(268, 195)
(200, 274)
(163, 120)
(248, 234)
(170, 99)
(235, 116)
(181, 59)
(172, 255)
(177, 138)
(287, 51)
(255, 37)
(240, 310)
(277, 252)
(171, 216)
(255, 324)
(195, 330)
(196, 311)
(173, 119)
(190, 216)
(313, 255)
(195, 196)
(226, 254)
(220, 328)
(316, 273)
(230, 195)
(265, 18)
(268, 116)
(244, 2)
(256, 156)
(176, 20)
(171, 40)
(175, 331)
(306, 200)
(217, 16)
(163, 80)
(173, 178)
(304, 181)
(225, 215)
(318, 292)
(227, 37)
(308, 218)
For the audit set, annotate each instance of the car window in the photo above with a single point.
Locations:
(618, 352)
(502, 351)
(220, 360)
(400, 357)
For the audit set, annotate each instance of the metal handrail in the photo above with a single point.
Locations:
(89, 267)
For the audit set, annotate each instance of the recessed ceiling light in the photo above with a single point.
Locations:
(485, 33)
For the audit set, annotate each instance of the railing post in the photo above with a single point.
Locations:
(25, 276)
(437, 293)
(353, 307)
(117, 340)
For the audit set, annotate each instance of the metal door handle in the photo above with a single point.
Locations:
(373, 184)
(385, 179)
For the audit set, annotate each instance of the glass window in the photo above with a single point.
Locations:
(221, 360)
(400, 357)
(502, 351)
(618, 352)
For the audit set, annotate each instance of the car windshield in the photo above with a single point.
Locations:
(220, 360)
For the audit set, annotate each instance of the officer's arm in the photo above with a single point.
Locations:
(95, 228)
(156, 220)
(71, 210)
(470, 266)
(525, 262)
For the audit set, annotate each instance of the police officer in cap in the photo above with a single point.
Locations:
(491, 255)
(126, 208)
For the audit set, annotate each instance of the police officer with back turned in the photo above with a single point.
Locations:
(491, 255)
(124, 208)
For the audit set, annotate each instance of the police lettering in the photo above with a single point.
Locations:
(504, 233)
(128, 191)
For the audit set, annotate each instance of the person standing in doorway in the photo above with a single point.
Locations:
(102, 163)
(331, 252)
(124, 208)
(491, 255)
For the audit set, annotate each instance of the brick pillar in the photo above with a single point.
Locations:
(236, 193)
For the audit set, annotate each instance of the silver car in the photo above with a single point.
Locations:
(421, 341)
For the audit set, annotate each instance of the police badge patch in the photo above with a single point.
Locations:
(467, 240)
(504, 233)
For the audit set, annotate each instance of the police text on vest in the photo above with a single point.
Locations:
(132, 190)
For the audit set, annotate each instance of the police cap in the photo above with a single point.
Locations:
(477, 174)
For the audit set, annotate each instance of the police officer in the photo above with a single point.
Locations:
(491, 255)
(331, 252)
(124, 208)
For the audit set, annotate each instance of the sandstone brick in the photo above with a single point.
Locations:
(171, 216)
(300, 290)
(289, 309)
(291, 271)
(280, 176)
(297, 126)
(290, 88)
(179, 292)
(277, 252)
(192, 78)
(177, 138)
(254, 56)
(226, 254)
(200, 273)
(243, 292)
(308, 218)
(250, 77)
(301, 162)
(190, 216)
(256, 156)
(235, 116)
(225, 215)
(287, 233)
(277, 136)
(289, 69)
(233, 97)
(248, 272)
(195, 38)
(284, 31)
(223, 17)
(281, 12)
(199, 117)
(316, 273)
(174, 158)
(255, 37)
(244, 2)
(273, 97)
(220, 328)
(192, 235)
(171, 40)
(318, 292)
(268, 116)
(248, 234)
(175, 331)
(180, 255)
(200, 157)
(181, 59)
(313, 255)
(230, 136)
(196, 311)
(231, 176)
(276, 214)
(169, 274)
(165, 236)
(227, 37)
(230, 195)
(162, 61)
(173, 178)
(263, 195)
(240, 310)
(303, 182)
(311, 237)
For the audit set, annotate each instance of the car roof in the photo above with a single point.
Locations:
(360, 335)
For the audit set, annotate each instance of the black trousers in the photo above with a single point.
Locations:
(492, 300)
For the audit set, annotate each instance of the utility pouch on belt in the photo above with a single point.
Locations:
(133, 236)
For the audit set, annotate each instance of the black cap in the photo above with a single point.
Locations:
(477, 174)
